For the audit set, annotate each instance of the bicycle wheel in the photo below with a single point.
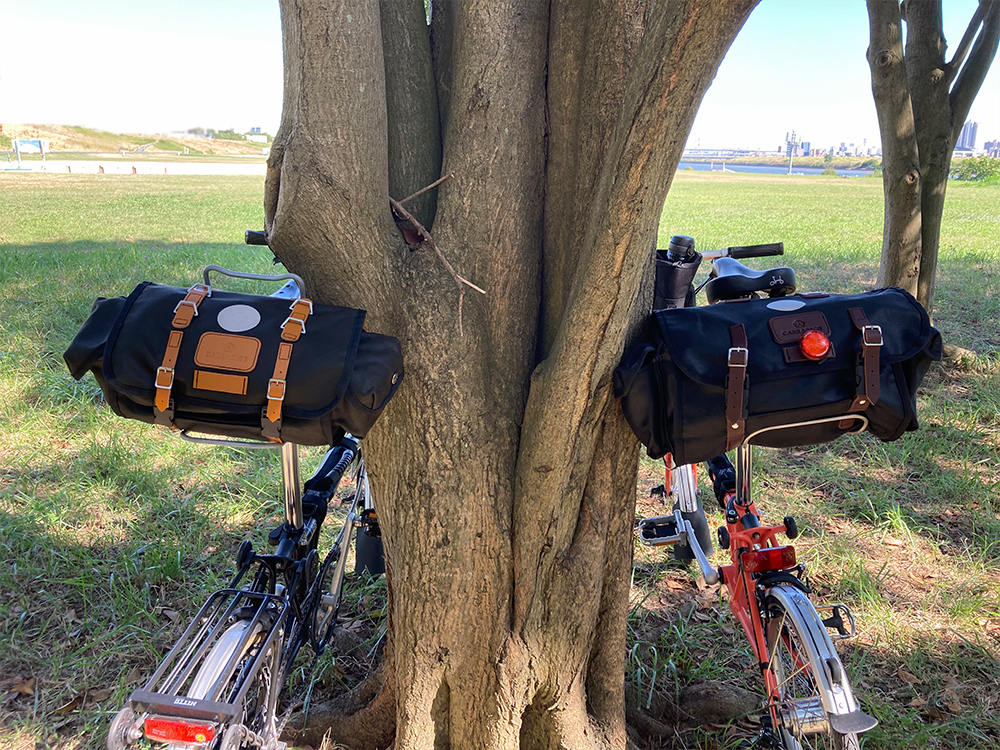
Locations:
(331, 575)
(256, 724)
(813, 700)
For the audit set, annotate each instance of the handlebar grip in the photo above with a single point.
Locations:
(324, 482)
(757, 251)
(255, 238)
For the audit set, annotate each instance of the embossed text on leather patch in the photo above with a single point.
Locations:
(788, 329)
(225, 351)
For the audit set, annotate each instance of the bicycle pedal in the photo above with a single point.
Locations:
(659, 531)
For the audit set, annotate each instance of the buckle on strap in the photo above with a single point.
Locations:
(871, 335)
(275, 389)
(165, 378)
(291, 319)
(738, 356)
(304, 301)
(185, 301)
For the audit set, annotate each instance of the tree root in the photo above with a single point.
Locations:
(362, 719)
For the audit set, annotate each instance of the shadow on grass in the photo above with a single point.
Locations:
(103, 567)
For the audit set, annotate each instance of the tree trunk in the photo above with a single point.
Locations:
(922, 102)
(901, 236)
(503, 471)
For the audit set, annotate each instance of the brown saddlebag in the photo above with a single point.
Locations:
(237, 365)
(706, 379)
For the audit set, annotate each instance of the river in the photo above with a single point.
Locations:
(717, 166)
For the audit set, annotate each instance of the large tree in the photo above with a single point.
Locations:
(504, 473)
(922, 101)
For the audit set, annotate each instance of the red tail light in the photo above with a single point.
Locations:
(769, 558)
(162, 729)
(814, 345)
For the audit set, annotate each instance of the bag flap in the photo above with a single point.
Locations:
(230, 348)
(697, 339)
(87, 347)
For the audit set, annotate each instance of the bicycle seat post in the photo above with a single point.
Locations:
(290, 485)
(744, 469)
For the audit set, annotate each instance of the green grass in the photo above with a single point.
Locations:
(905, 533)
(111, 531)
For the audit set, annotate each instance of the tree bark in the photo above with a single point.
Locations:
(503, 471)
(939, 95)
(901, 236)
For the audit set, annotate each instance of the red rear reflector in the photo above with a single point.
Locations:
(163, 729)
(769, 558)
(814, 345)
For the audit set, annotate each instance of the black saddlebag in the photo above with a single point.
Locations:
(706, 379)
(237, 365)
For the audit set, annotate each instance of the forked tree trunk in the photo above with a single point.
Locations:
(922, 102)
(503, 471)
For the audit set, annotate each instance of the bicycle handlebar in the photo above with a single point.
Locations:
(757, 251)
(746, 251)
(252, 237)
(324, 482)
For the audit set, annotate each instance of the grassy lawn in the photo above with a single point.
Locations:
(111, 532)
(906, 533)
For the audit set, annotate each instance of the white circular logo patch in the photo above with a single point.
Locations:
(238, 318)
(786, 305)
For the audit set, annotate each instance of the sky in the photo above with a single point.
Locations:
(161, 66)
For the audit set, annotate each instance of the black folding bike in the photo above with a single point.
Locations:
(219, 686)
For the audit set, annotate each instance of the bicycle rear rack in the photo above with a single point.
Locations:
(174, 689)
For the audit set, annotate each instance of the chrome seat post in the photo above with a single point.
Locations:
(744, 470)
(290, 485)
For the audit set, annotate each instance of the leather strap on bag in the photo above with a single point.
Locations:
(869, 385)
(185, 311)
(735, 387)
(271, 420)
(187, 308)
(295, 324)
(293, 327)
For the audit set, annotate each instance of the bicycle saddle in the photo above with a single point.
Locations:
(733, 280)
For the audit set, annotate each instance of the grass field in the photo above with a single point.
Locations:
(110, 531)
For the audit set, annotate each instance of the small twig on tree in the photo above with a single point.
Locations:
(425, 189)
(426, 237)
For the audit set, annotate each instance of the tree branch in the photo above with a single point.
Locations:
(963, 48)
(426, 237)
(422, 190)
(973, 73)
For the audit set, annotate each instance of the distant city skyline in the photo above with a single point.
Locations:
(801, 65)
(163, 66)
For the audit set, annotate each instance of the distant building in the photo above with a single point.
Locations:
(254, 131)
(967, 139)
(256, 137)
(992, 148)
(806, 148)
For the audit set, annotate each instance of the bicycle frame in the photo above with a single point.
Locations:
(748, 589)
(206, 676)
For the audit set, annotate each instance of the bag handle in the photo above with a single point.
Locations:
(257, 277)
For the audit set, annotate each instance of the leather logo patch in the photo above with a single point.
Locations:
(788, 329)
(224, 351)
